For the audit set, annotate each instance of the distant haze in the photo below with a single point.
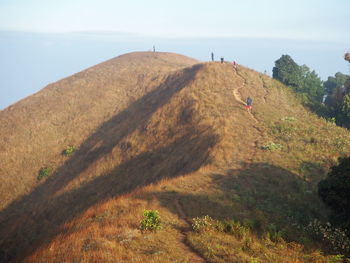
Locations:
(30, 61)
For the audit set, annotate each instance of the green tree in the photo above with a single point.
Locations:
(335, 82)
(346, 106)
(347, 82)
(337, 103)
(335, 89)
(287, 71)
(300, 78)
(312, 85)
(335, 193)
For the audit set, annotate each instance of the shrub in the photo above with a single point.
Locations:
(151, 221)
(43, 172)
(69, 151)
(204, 223)
(236, 229)
(274, 234)
(271, 146)
(332, 120)
(335, 238)
(285, 129)
(334, 192)
(254, 224)
(231, 226)
(336, 259)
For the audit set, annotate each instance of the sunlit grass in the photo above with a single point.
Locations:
(200, 149)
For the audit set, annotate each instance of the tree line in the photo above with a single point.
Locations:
(331, 99)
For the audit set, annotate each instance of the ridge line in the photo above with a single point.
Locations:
(239, 99)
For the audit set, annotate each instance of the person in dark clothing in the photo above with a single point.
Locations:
(249, 103)
(212, 56)
(222, 60)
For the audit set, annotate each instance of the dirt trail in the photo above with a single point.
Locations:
(258, 129)
(239, 98)
(193, 255)
(265, 88)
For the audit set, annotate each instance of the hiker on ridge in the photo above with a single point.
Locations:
(222, 59)
(249, 103)
(212, 56)
(234, 64)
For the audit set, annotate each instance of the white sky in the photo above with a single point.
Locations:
(326, 20)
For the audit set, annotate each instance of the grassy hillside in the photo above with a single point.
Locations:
(36, 130)
(162, 131)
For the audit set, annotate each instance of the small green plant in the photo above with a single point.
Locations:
(202, 223)
(69, 151)
(271, 146)
(151, 221)
(332, 120)
(290, 119)
(254, 260)
(43, 172)
(336, 258)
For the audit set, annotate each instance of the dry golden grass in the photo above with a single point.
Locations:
(37, 129)
(154, 130)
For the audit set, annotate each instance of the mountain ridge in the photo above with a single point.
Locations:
(157, 130)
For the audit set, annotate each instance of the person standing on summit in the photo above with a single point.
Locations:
(212, 56)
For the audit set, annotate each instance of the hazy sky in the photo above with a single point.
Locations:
(296, 19)
(253, 32)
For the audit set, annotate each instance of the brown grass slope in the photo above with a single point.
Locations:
(37, 129)
(158, 131)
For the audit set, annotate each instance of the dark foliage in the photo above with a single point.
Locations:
(287, 71)
(300, 78)
(335, 193)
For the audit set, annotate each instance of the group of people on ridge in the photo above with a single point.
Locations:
(222, 60)
(249, 99)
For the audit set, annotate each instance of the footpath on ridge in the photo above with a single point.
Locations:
(238, 97)
(195, 256)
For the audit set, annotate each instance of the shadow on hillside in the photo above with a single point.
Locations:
(36, 218)
(263, 194)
